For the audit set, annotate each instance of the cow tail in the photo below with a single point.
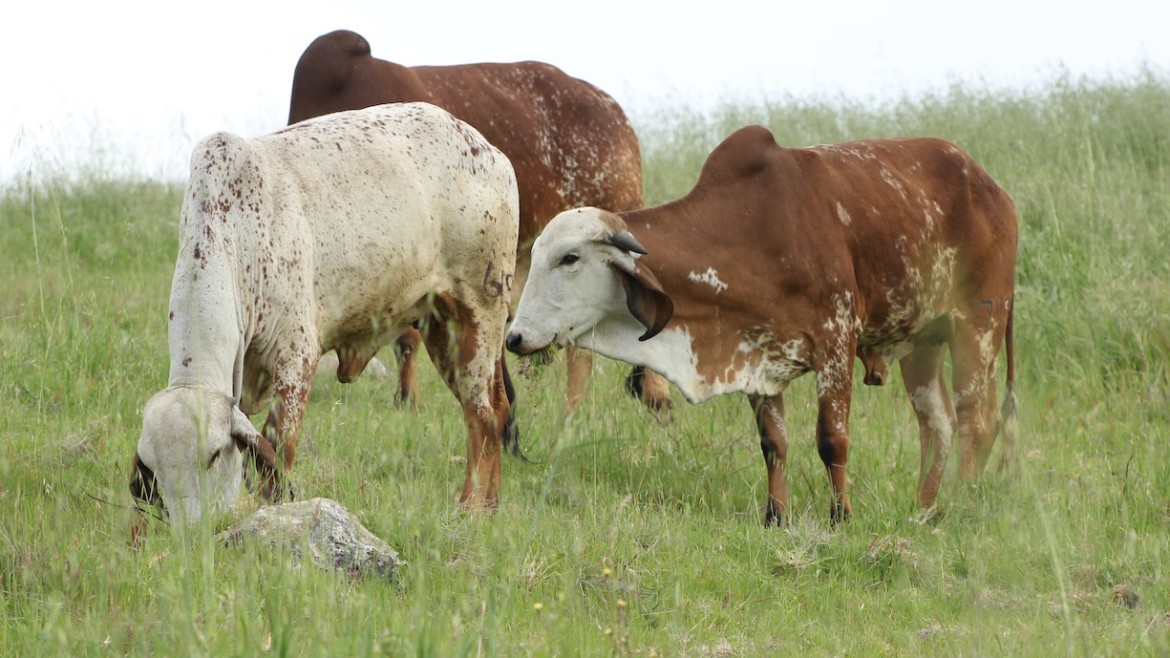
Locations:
(1007, 414)
(511, 435)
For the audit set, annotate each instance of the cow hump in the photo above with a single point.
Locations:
(338, 44)
(746, 153)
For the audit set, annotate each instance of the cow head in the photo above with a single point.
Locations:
(191, 453)
(586, 276)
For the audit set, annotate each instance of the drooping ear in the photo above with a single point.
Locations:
(645, 298)
(262, 453)
(143, 485)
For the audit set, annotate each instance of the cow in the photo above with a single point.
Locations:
(785, 261)
(332, 234)
(570, 143)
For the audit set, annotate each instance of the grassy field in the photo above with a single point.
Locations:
(630, 537)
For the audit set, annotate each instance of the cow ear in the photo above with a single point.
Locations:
(261, 452)
(143, 485)
(645, 298)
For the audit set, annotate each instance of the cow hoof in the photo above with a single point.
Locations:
(838, 514)
(477, 504)
(407, 402)
(928, 516)
(664, 414)
(281, 491)
(772, 518)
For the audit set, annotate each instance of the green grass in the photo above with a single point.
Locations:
(629, 537)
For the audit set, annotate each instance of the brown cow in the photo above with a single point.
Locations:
(569, 142)
(784, 261)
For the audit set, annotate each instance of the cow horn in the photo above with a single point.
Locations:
(625, 241)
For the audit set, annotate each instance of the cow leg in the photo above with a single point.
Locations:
(922, 374)
(769, 412)
(579, 364)
(656, 392)
(653, 390)
(281, 428)
(834, 396)
(649, 387)
(405, 353)
(975, 348)
(466, 356)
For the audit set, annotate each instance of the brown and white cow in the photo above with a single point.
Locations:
(570, 143)
(785, 261)
(332, 234)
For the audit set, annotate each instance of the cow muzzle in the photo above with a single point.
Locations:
(523, 345)
(514, 341)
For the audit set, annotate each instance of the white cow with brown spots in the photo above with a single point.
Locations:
(785, 261)
(336, 233)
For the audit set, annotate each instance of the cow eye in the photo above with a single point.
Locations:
(569, 259)
(214, 457)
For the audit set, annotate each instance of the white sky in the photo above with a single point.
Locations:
(134, 84)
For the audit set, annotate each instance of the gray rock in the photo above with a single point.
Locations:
(333, 535)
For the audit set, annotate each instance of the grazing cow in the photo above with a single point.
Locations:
(570, 143)
(784, 261)
(331, 234)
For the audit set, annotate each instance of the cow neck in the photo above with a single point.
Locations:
(670, 353)
(204, 329)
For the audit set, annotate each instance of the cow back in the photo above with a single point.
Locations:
(897, 224)
(569, 142)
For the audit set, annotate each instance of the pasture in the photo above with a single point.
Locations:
(629, 537)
